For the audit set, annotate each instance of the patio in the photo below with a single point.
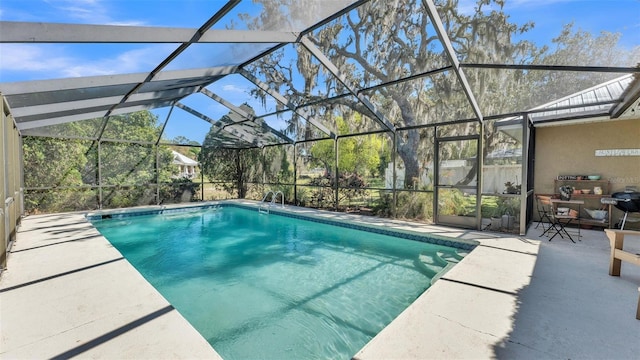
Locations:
(512, 297)
(433, 111)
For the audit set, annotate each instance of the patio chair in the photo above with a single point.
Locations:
(557, 223)
(543, 206)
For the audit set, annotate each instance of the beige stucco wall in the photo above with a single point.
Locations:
(570, 150)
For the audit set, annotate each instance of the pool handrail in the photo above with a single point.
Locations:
(274, 197)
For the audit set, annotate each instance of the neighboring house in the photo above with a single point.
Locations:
(186, 166)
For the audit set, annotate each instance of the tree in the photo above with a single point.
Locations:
(277, 165)
(191, 151)
(183, 140)
(132, 163)
(58, 164)
(236, 167)
(52, 162)
(65, 163)
(357, 154)
(579, 47)
(385, 41)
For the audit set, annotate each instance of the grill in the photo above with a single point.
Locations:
(627, 201)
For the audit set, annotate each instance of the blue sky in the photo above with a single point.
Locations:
(46, 61)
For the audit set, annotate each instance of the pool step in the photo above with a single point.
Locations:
(435, 265)
(426, 268)
(433, 259)
(452, 256)
(431, 264)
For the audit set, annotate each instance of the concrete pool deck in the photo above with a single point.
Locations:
(67, 292)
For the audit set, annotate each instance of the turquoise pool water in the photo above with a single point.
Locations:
(274, 287)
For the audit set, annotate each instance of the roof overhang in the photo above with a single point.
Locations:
(610, 101)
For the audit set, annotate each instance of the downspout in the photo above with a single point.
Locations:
(295, 174)
(157, 175)
(394, 192)
(99, 174)
(524, 186)
(480, 177)
(336, 169)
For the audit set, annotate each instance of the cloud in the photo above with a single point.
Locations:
(57, 61)
(132, 61)
(215, 110)
(233, 88)
(535, 3)
(89, 12)
(30, 58)
(467, 7)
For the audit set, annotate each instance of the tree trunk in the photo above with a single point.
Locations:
(407, 150)
(239, 176)
(408, 147)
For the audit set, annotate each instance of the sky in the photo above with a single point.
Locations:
(24, 62)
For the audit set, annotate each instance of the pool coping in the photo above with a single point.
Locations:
(291, 212)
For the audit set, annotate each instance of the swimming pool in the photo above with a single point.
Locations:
(277, 287)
